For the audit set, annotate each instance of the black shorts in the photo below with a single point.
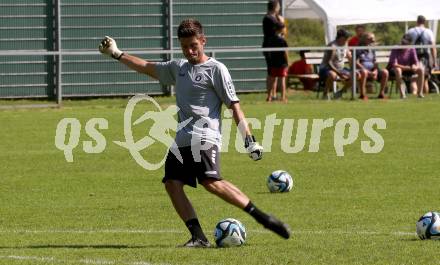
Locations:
(267, 57)
(274, 60)
(207, 167)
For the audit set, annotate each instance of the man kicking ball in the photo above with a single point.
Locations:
(202, 84)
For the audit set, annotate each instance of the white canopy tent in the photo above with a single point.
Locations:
(349, 12)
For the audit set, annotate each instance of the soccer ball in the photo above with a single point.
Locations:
(428, 226)
(229, 233)
(279, 181)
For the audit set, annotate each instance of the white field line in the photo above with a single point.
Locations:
(142, 231)
(41, 259)
(81, 261)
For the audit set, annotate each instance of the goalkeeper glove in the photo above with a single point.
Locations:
(108, 47)
(254, 149)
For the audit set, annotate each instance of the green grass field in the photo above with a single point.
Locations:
(105, 209)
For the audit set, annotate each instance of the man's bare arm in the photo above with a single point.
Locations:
(240, 120)
(139, 65)
(403, 67)
(254, 149)
(434, 55)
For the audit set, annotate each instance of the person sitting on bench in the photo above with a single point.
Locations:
(332, 65)
(367, 65)
(301, 67)
(404, 62)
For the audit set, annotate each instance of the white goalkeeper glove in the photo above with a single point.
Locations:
(254, 149)
(108, 47)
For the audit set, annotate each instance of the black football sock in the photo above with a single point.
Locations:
(260, 216)
(195, 229)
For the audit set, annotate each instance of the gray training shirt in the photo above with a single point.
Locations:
(200, 91)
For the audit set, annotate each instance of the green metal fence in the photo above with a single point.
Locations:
(32, 25)
(26, 25)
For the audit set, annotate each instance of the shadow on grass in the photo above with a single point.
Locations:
(271, 193)
(412, 239)
(87, 246)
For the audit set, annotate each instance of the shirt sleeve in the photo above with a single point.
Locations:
(414, 35)
(413, 58)
(353, 41)
(276, 24)
(392, 60)
(430, 37)
(327, 57)
(167, 71)
(223, 86)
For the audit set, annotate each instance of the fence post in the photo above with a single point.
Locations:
(170, 37)
(353, 67)
(59, 90)
(282, 8)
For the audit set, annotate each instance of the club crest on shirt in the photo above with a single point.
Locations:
(199, 78)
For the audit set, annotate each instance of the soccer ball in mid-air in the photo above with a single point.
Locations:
(279, 181)
(428, 226)
(229, 233)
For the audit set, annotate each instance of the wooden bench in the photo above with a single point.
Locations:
(435, 72)
(315, 59)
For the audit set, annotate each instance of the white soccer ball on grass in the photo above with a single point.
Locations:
(229, 233)
(279, 181)
(428, 226)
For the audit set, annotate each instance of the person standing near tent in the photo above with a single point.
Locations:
(272, 27)
(421, 35)
(359, 30)
(280, 64)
